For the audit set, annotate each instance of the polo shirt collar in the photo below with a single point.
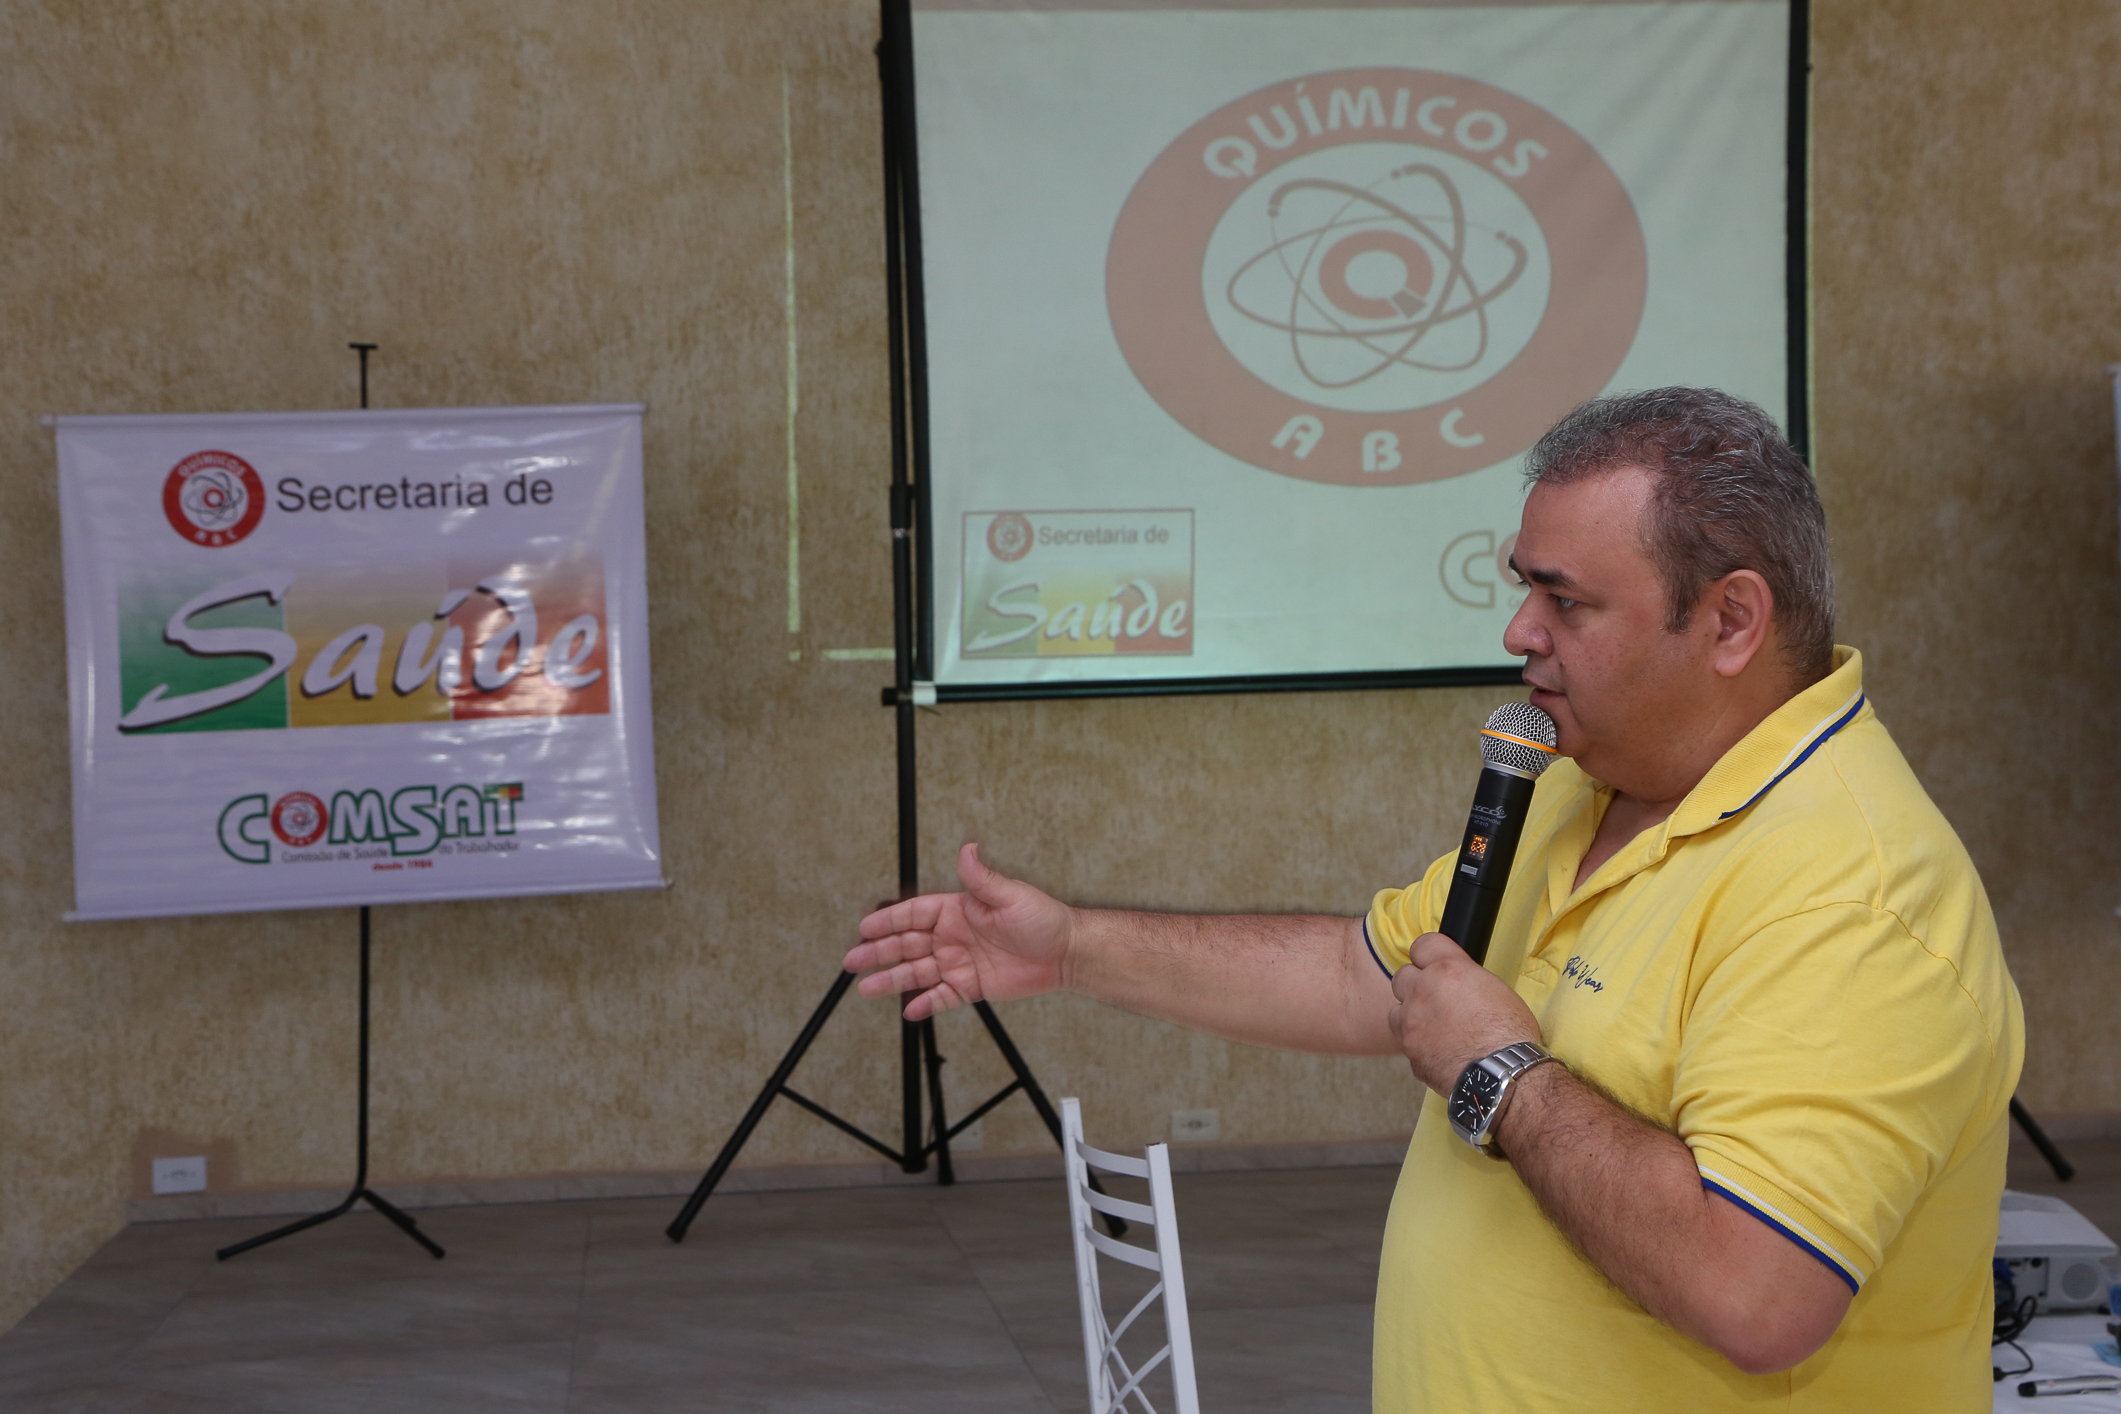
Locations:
(1778, 746)
(1747, 772)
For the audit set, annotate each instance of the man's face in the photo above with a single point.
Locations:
(1623, 691)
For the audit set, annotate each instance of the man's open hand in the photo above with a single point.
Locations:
(1452, 1011)
(998, 940)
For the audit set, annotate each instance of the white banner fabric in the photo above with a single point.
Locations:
(1241, 317)
(361, 657)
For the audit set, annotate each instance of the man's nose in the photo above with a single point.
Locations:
(1525, 635)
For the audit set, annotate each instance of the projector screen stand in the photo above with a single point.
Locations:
(2064, 1169)
(917, 1043)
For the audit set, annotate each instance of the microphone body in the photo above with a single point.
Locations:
(1515, 746)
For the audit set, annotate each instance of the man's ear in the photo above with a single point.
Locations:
(1742, 608)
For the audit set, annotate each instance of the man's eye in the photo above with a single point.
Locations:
(1564, 604)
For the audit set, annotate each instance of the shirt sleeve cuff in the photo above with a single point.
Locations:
(1771, 1205)
(1366, 942)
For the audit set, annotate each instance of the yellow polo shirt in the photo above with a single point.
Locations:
(1798, 973)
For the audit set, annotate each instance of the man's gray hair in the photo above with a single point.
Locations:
(1730, 493)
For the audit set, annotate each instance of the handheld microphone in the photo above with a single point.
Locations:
(1515, 746)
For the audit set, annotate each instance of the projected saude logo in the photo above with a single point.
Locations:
(1375, 276)
(1041, 583)
(415, 821)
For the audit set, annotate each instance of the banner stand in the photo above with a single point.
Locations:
(917, 1044)
(361, 1192)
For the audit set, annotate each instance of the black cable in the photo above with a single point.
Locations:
(2011, 1322)
(2002, 1374)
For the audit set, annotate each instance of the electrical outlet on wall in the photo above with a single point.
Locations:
(180, 1175)
(972, 1136)
(1196, 1126)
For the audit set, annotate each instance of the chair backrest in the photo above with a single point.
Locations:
(1115, 1385)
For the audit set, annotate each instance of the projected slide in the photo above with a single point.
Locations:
(1240, 319)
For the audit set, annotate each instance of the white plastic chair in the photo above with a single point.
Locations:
(1112, 1382)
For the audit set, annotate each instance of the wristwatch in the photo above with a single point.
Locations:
(1483, 1093)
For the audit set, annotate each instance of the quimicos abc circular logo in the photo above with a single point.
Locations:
(1375, 276)
(213, 498)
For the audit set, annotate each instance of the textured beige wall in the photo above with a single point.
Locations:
(1967, 257)
(201, 204)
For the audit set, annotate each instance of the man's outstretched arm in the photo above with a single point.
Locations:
(1296, 981)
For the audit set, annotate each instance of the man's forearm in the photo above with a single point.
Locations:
(1629, 1196)
(1301, 982)
(1625, 1192)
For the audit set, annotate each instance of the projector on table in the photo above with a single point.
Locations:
(2054, 1253)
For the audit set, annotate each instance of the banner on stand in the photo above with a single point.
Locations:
(364, 657)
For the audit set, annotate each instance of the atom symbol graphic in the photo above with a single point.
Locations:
(214, 498)
(1366, 284)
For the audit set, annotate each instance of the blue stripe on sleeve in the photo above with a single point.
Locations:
(1828, 1262)
(1373, 947)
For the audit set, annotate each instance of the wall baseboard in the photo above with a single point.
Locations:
(2064, 1129)
(565, 1187)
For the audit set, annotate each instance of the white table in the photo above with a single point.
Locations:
(2059, 1345)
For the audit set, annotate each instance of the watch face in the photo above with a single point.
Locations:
(1474, 1098)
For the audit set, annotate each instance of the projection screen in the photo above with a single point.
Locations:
(1239, 319)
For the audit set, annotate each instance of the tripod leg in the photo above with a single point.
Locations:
(752, 1116)
(237, 1249)
(403, 1219)
(1015, 1059)
(1114, 1225)
(912, 1159)
(945, 1175)
(2064, 1169)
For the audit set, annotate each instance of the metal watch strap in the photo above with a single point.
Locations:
(1505, 1066)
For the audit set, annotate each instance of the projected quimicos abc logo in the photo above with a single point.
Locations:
(1376, 276)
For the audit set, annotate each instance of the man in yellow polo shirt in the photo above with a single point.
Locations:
(1757, 1034)
(1796, 976)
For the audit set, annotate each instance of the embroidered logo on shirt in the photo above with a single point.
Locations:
(1582, 973)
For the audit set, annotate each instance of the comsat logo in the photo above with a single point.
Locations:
(360, 824)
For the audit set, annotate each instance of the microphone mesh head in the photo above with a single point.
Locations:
(1520, 736)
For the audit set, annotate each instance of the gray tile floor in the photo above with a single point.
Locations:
(879, 1299)
(873, 1300)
